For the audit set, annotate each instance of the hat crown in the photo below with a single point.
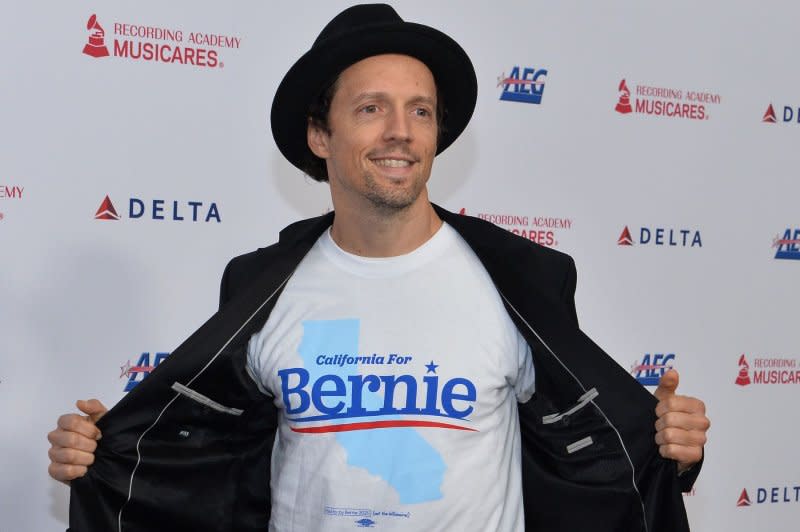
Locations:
(354, 34)
(357, 18)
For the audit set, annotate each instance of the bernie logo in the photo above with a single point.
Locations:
(652, 368)
(365, 523)
(788, 247)
(325, 395)
(525, 85)
(142, 369)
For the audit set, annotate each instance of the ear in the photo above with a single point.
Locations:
(318, 141)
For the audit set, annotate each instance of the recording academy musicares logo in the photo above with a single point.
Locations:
(159, 209)
(544, 230)
(772, 370)
(10, 192)
(664, 101)
(158, 43)
(96, 47)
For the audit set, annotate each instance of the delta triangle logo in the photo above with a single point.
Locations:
(106, 211)
(744, 499)
(743, 379)
(625, 238)
(624, 103)
(769, 116)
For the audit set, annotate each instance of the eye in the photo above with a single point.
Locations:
(369, 109)
(422, 112)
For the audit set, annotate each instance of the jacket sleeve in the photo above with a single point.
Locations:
(568, 290)
(687, 479)
(224, 288)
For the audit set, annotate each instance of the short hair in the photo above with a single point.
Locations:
(317, 116)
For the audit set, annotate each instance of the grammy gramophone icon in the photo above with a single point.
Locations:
(743, 379)
(624, 103)
(96, 47)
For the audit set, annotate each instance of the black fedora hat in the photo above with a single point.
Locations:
(357, 33)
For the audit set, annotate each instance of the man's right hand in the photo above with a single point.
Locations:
(73, 442)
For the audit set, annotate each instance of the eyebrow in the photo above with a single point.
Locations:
(378, 95)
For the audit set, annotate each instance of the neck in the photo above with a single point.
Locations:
(373, 233)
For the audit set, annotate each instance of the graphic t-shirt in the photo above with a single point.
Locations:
(397, 381)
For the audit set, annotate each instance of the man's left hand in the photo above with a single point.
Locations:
(682, 423)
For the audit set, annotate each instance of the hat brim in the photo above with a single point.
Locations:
(451, 67)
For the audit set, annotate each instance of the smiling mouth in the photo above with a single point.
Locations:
(392, 163)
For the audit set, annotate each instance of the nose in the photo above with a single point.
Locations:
(398, 127)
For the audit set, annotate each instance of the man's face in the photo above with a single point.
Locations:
(383, 134)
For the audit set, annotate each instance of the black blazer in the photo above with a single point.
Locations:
(189, 448)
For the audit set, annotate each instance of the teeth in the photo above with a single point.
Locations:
(392, 163)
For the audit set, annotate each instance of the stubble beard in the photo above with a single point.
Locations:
(388, 200)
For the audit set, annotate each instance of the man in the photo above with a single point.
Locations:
(381, 366)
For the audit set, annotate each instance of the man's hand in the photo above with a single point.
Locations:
(682, 423)
(73, 442)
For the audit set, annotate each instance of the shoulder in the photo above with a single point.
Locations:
(519, 261)
(251, 263)
(498, 243)
(242, 269)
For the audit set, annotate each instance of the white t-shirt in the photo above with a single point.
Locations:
(397, 381)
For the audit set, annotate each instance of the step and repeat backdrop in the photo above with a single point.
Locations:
(657, 143)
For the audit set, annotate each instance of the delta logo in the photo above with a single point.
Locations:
(159, 209)
(772, 370)
(770, 495)
(158, 44)
(788, 245)
(544, 230)
(790, 115)
(135, 373)
(652, 367)
(661, 236)
(744, 499)
(664, 101)
(523, 85)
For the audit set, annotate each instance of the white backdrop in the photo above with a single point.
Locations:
(82, 298)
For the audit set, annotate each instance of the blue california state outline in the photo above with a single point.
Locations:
(398, 455)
